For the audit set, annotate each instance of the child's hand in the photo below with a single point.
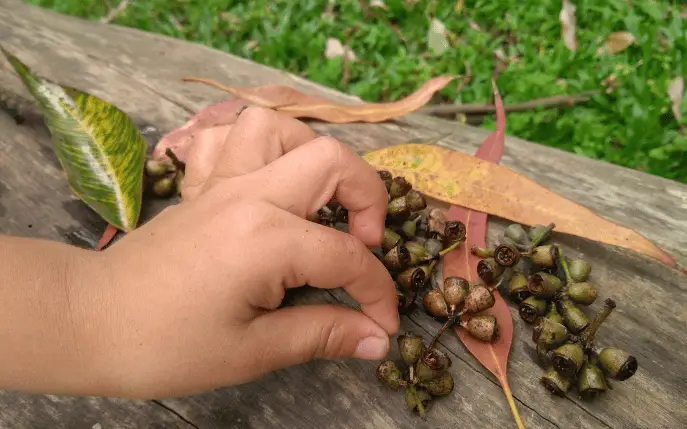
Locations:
(193, 302)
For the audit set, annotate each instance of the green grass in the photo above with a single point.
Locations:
(632, 126)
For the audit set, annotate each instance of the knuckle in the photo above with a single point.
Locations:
(332, 150)
(256, 114)
(357, 253)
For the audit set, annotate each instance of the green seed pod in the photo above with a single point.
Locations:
(579, 270)
(489, 270)
(536, 230)
(455, 291)
(416, 201)
(326, 215)
(573, 318)
(591, 381)
(454, 231)
(531, 308)
(435, 304)
(553, 314)
(398, 207)
(479, 299)
(389, 373)
(410, 347)
(158, 168)
(568, 358)
(544, 285)
(555, 382)
(164, 187)
(409, 228)
(483, 328)
(545, 255)
(341, 214)
(517, 234)
(549, 333)
(399, 187)
(417, 252)
(433, 247)
(517, 287)
(617, 363)
(432, 365)
(439, 386)
(390, 240)
(506, 255)
(424, 398)
(583, 293)
(544, 354)
(398, 258)
(481, 252)
(412, 278)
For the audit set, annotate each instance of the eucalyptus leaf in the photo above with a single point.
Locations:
(99, 147)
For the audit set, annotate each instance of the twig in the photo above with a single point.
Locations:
(346, 62)
(548, 102)
(114, 12)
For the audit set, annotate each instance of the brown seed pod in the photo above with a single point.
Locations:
(435, 304)
(556, 383)
(399, 187)
(410, 347)
(341, 214)
(390, 239)
(455, 291)
(405, 300)
(454, 231)
(398, 258)
(389, 373)
(489, 270)
(440, 386)
(506, 255)
(164, 187)
(412, 278)
(483, 328)
(433, 364)
(179, 182)
(568, 358)
(416, 201)
(544, 285)
(479, 299)
(386, 178)
(398, 207)
(517, 287)
(544, 354)
(409, 228)
(531, 308)
(545, 255)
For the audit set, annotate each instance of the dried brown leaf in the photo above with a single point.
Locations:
(334, 48)
(617, 42)
(676, 93)
(568, 25)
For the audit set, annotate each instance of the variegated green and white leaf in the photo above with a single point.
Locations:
(100, 149)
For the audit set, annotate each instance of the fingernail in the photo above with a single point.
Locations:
(372, 348)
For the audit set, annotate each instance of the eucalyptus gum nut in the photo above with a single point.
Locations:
(389, 373)
(455, 290)
(390, 239)
(545, 255)
(341, 214)
(489, 270)
(398, 258)
(440, 386)
(412, 278)
(517, 234)
(517, 287)
(479, 299)
(433, 246)
(437, 360)
(573, 318)
(399, 187)
(556, 383)
(544, 285)
(384, 175)
(531, 308)
(424, 398)
(544, 355)
(435, 304)
(398, 207)
(410, 347)
(454, 231)
(568, 358)
(617, 363)
(483, 328)
(409, 228)
(506, 255)
(591, 381)
(583, 293)
(536, 230)
(554, 315)
(549, 333)
(416, 201)
(417, 252)
(579, 270)
(164, 187)
(155, 168)
(405, 300)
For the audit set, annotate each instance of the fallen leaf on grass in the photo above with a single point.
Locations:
(299, 105)
(568, 24)
(462, 263)
(616, 43)
(378, 3)
(436, 37)
(675, 93)
(334, 49)
(464, 180)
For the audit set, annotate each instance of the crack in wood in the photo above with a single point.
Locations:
(175, 413)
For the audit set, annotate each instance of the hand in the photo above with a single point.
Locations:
(195, 293)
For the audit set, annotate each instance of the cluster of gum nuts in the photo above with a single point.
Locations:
(550, 291)
(164, 177)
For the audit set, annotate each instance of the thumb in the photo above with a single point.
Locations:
(295, 335)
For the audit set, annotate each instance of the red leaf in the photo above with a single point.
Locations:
(108, 235)
(462, 263)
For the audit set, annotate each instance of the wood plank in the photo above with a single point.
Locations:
(141, 73)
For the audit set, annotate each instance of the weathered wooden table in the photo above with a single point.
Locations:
(141, 73)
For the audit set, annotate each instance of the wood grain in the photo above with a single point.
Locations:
(141, 73)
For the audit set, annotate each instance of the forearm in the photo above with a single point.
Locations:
(48, 291)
